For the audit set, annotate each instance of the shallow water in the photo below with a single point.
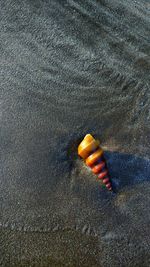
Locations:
(69, 68)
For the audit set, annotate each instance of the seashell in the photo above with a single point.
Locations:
(93, 155)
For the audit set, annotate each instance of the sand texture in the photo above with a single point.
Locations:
(68, 68)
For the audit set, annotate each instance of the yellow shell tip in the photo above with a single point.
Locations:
(87, 145)
(89, 137)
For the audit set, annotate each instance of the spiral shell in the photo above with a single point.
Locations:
(92, 154)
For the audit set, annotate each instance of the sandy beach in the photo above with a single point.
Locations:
(68, 68)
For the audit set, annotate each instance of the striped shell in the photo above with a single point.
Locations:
(92, 154)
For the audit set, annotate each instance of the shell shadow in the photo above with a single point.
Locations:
(127, 169)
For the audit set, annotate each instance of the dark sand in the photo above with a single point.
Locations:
(68, 68)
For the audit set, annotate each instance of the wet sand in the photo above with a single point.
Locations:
(69, 68)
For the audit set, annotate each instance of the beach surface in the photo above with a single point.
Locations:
(68, 68)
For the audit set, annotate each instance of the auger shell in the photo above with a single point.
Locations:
(92, 154)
